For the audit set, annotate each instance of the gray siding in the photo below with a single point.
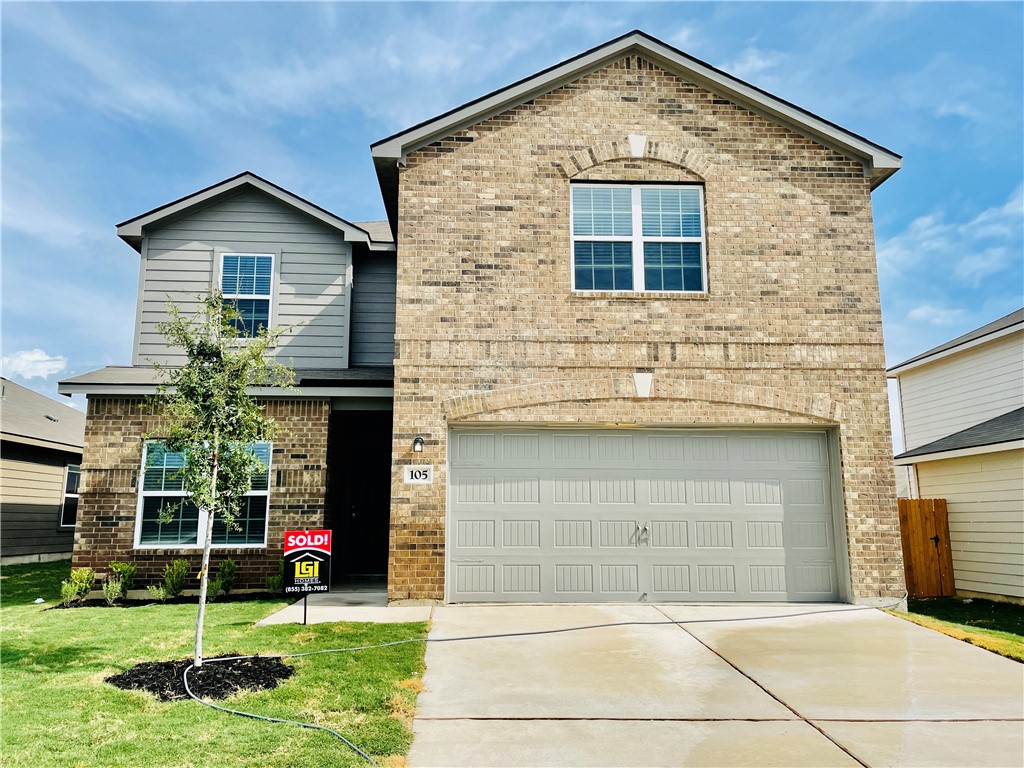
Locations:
(31, 494)
(311, 286)
(373, 309)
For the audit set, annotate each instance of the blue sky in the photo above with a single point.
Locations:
(110, 109)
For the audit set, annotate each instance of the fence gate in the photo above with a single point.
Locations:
(927, 556)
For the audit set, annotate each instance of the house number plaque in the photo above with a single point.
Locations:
(419, 475)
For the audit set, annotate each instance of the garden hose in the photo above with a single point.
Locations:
(499, 636)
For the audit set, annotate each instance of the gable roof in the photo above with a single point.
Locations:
(30, 418)
(388, 152)
(1008, 428)
(131, 230)
(994, 330)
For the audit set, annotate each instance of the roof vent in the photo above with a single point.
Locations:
(54, 419)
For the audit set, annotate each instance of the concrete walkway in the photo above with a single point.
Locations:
(814, 686)
(349, 605)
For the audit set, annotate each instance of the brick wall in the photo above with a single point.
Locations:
(114, 435)
(488, 329)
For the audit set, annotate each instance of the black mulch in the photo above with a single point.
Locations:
(241, 597)
(216, 680)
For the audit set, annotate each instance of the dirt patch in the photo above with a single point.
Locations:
(216, 680)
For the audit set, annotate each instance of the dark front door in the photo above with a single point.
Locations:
(360, 498)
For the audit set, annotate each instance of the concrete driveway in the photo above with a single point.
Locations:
(730, 686)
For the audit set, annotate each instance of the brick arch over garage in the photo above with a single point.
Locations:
(688, 158)
(819, 407)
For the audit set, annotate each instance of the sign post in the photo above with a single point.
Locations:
(307, 564)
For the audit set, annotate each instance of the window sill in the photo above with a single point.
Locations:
(161, 549)
(646, 295)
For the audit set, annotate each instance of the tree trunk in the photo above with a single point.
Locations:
(204, 580)
(204, 572)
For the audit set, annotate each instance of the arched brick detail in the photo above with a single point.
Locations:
(689, 158)
(818, 406)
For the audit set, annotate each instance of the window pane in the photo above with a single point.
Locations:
(163, 469)
(184, 525)
(247, 275)
(255, 314)
(249, 525)
(671, 212)
(604, 266)
(69, 512)
(74, 477)
(604, 211)
(672, 267)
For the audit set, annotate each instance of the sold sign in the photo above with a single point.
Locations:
(307, 562)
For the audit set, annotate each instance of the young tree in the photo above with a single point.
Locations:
(211, 419)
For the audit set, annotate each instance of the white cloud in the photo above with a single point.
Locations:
(935, 315)
(32, 363)
(971, 250)
(684, 36)
(753, 62)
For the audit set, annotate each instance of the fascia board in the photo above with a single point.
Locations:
(38, 443)
(882, 162)
(898, 370)
(126, 390)
(960, 453)
(131, 230)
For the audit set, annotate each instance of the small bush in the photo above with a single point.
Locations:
(213, 590)
(78, 587)
(157, 591)
(226, 572)
(275, 584)
(175, 573)
(113, 590)
(126, 573)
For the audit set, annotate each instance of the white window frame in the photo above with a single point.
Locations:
(76, 496)
(200, 534)
(637, 240)
(236, 296)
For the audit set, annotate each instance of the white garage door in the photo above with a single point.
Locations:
(622, 515)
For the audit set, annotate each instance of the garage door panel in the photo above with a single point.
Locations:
(547, 515)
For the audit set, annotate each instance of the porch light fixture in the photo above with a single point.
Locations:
(417, 445)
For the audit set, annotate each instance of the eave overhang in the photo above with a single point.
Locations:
(131, 231)
(879, 163)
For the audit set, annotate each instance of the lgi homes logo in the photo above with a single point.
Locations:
(307, 562)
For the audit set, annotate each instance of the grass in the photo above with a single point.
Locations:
(55, 709)
(997, 627)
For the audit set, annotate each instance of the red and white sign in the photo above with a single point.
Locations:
(318, 540)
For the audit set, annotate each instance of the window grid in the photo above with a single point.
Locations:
(665, 237)
(246, 282)
(161, 486)
(69, 508)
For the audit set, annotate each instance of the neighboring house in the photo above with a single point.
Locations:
(633, 317)
(40, 455)
(962, 410)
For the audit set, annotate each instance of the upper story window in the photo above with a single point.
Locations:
(246, 283)
(638, 237)
(69, 509)
(161, 488)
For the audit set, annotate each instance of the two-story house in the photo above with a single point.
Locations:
(631, 306)
(962, 413)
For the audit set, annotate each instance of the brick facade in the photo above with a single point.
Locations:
(114, 435)
(488, 329)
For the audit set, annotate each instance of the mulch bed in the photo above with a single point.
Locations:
(216, 680)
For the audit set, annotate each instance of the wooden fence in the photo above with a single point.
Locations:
(927, 556)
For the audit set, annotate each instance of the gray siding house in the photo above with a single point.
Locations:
(40, 456)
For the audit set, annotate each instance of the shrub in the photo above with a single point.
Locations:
(78, 587)
(175, 573)
(157, 591)
(125, 572)
(113, 590)
(275, 583)
(226, 574)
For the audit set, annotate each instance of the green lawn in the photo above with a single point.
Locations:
(55, 709)
(998, 627)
